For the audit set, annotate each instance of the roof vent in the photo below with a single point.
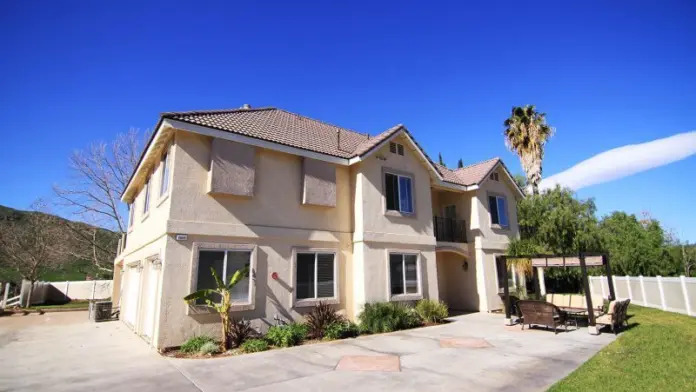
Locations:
(246, 106)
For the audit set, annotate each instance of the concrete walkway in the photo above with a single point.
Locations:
(475, 352)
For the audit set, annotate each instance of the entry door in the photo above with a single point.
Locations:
(150, 299)
(133, 294)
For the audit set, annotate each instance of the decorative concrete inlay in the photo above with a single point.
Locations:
(465, 343)
(369, 363)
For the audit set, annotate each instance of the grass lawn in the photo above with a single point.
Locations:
(657, 353)
(69, 305)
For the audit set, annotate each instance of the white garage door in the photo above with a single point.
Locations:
(132, 294)
(150, 298)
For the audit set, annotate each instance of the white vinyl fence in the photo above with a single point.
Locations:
(59, 292)
(672, 294)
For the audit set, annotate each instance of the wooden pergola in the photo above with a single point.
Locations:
(582, 260)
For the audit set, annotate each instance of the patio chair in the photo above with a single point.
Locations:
(615, 317)
(541, 313)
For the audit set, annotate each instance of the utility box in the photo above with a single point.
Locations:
(100, 311)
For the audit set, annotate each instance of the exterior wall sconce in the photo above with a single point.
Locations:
(465, 265)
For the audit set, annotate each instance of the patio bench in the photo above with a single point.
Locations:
(541, 313)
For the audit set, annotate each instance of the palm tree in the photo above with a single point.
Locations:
(442, 161)
(222, 291)
(526, 133)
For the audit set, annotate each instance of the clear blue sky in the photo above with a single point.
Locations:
(73, 72)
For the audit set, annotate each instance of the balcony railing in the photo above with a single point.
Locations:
(449, 230)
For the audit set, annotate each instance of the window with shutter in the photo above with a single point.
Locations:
(315, 275)
(225, 263)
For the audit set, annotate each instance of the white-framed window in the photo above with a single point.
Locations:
(315, 275)
(164, 179)
(146, 199)
(225, 262)
(497, 206)
(131, 214)
(404, 278)
(398, 192)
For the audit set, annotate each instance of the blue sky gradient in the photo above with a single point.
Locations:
(75, 72)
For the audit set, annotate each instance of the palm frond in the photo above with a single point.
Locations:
(200, 294)
(237, 277)
(218, 281)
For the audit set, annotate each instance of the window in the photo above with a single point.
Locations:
(131, 214)
(494, 176)
(225, 263)
(396, 148)
(146, 202)
(164, 183)
(399, 193)
(315, 275)
(403, 274)
(497, 206)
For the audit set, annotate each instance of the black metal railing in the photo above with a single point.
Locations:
(449, 230)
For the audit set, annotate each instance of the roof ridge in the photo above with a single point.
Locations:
(476, 164)
(367, 135)
(217, 111)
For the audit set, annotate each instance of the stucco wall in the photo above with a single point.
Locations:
(503, 187)
(272, 297)
(277, 199)
(457, 286)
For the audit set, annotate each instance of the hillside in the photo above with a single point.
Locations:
(71, 268)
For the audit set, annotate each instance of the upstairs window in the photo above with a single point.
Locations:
(131, 214)
(164, 183)
(497, 205)
(146, 199)
(315, 275)
(494, 176)
(396, 148)
(403, 274)
(399, 193)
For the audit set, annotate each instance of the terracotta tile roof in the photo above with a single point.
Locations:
(279, 126)
(468, 175)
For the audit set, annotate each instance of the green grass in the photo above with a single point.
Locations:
(658, 353)
(69, 305)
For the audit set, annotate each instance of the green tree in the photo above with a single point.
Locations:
(636, 247)
(221, 292)
(441, 161)
(460, 163)
(526, 133)
(520, 180)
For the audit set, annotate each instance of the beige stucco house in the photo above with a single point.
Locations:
(318, 212)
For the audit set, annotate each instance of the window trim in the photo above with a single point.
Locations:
(310, 302)
(398, 173)
(222, 246)
(146, 199)
(131, 216)
(419, 274)
(507, 211)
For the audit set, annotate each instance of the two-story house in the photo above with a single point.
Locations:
(318, 212)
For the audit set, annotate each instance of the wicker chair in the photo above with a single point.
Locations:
(541, 313)
(615, 317)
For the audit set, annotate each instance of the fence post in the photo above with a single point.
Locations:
(662, 292)
(642, 290)
(67, 284)
(630, 292)
(601, 284)
(94, 288)
(6, 295)
(686, 295)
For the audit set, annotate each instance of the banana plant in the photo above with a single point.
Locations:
(223, 307)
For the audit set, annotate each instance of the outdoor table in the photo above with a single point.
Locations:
(574, 314)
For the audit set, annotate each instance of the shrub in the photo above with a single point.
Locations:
(340, 330)
(209, 348)
(387, 317)
(320, 317)
(432, 311)
(254, 346)
(239, 332)
(194, 344)
(287, 335)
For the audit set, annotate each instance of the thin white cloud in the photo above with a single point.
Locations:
(624, 161)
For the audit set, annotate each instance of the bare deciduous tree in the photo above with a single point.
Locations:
(99, 175)
(33, 244)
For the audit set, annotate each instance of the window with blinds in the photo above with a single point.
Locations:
(225, 263)
(315, 275)
(403, 274)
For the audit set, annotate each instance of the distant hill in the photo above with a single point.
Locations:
(72, 268)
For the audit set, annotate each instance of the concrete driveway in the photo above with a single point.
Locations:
(475, 352)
